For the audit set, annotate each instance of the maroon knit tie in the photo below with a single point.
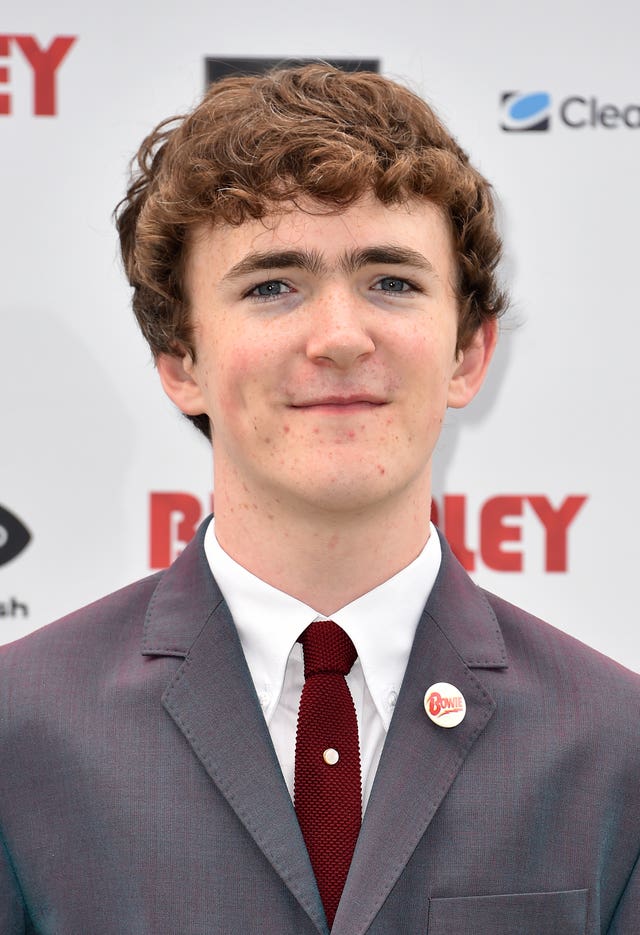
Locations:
(327, 789)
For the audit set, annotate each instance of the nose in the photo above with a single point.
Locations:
(339, 332)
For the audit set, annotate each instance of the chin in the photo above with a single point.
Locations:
(342, 495)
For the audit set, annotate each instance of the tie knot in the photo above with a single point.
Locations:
(327, 648)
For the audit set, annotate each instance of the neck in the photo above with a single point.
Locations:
(324, 558)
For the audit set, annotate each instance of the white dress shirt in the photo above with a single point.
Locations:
(381, 624)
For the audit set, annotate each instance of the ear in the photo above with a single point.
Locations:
(472, 364)
(177, 378)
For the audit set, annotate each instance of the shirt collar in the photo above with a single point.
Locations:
(381, 623)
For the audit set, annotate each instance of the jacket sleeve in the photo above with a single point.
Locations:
(626, 918)
(13, 919)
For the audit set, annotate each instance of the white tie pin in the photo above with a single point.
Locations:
(445, 704)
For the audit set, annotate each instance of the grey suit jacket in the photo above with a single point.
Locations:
(140, 793)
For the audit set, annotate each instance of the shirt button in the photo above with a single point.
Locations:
(392, 698)
(264, 697)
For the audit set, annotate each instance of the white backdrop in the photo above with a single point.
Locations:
(87, 440)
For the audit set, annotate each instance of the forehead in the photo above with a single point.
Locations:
(331, 238)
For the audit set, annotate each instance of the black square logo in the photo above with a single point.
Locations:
(217, 68)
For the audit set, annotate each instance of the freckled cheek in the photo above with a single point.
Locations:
(236, 380)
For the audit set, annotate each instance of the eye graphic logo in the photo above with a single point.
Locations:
(525, 112)
(14, 536)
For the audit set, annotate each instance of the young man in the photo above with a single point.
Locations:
(313, 262)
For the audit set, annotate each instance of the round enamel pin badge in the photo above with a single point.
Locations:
(445, 705)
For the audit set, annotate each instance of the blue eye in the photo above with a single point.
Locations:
(270, 289)
(393, 284)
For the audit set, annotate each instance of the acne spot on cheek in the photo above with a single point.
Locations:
(351, 434)
(381, 470)
(286, 429)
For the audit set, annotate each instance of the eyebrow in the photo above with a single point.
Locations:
(386, 254)
(313, 262)
(309, 260)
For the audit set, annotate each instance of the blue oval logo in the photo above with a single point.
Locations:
(528, 106)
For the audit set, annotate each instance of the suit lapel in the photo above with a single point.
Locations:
(213, 702)
(420, 760)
